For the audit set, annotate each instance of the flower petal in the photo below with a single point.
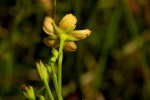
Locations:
(47, 25)
(70, 46)
(68, 22)
(50, 43)
(81, 34)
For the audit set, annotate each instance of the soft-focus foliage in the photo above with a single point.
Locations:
(111, 64)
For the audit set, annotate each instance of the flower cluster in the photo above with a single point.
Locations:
(65, 30)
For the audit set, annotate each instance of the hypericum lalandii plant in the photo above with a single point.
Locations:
(63, 37)
(60, 38)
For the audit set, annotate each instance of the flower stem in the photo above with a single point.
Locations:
(54, 9)
(55, 83)
(48, 90)
(60, 57)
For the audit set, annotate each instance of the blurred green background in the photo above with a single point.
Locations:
(113, 63)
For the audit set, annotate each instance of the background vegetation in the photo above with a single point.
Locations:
(113, 63)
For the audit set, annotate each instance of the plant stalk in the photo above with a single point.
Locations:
(60, 57)
(56, 83)
(48, 90)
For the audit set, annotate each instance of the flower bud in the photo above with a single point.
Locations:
(54, 56)
(42, 71)
(28, 92)
(49, 69)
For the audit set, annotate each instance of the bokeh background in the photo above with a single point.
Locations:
(113, 63)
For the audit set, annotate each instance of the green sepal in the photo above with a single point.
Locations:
(53, 37)
(70, 30)
(57, 29)
(71, 38)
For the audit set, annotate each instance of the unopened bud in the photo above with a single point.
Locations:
(54, 55)
(28, 92)
(42, 71)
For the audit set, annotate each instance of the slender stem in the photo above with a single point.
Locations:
(60, 57)
(40, 90)
(56, 83)
(54, 9)
(48, 90)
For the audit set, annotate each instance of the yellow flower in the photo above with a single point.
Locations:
(66, 30)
